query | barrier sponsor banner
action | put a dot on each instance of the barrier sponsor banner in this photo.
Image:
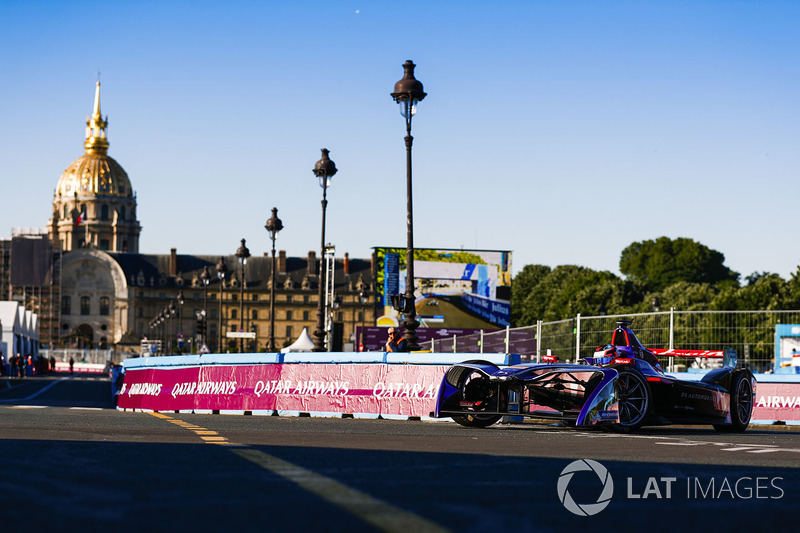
(408, 390)
(777, 401)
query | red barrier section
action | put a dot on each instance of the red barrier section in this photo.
(777, 401)
(379, 389)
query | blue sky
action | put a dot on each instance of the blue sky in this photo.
(560, 130)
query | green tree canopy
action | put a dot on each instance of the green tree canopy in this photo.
(659, 263)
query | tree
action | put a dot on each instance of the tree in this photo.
(663, 262)
(521, 286)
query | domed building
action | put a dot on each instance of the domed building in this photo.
(94, 203)
(98, 292)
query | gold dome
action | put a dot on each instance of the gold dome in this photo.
(95, 172)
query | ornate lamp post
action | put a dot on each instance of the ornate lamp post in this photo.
(180, 321)
(170, 312)
(222, 269)
(205, 279)
(242, 253)
(324, 170)
(408, 93)
(362, 298)
(274, 225)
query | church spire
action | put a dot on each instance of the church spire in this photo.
(96, 141)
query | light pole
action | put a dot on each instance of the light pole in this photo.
(273, 225)
(362, 298)
(408, 93)
(205, 279)
(180, 321)
(222, 268)
(324, 170)
(242, 253)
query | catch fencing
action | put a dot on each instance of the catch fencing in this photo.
(750, 333)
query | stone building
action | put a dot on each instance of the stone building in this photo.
(105, 294)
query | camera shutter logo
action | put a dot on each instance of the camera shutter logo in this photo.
(585, 509)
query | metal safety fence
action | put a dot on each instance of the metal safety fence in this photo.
(752, 334)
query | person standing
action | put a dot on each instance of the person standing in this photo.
(21, 365)
(395, 343)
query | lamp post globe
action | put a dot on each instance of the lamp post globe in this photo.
(242, 253)
(273, 226)
(324, 170)
(408, 92)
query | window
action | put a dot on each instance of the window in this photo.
(254, 314)
(104, 212)
(85, 308)
(288, 315)
(212, 313)
(305, 298)
(66, 305)
(104, 305)
(289, 298)
(255, 297)
(289, 333)
(339, 316)
(104, 244)
(305, 315)
(233, 313)
(122, 213)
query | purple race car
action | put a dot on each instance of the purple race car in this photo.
(622, 386)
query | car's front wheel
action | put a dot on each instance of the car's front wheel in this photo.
(633, 400)
(741, 405)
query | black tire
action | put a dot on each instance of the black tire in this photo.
(634, 401)
(474, 420)
(741, 405)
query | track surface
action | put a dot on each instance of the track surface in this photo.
(71, 462)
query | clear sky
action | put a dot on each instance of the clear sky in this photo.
(560, 130)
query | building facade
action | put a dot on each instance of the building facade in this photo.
(98, 291)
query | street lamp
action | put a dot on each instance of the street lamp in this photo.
(222, 268)
(324, 170)
(408, 93)
(273, 225)
(205, 279)
(180, 321)
(362, 298)
(242, 253)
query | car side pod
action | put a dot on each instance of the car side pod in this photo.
(601, 407)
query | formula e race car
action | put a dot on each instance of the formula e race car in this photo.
(622, 386)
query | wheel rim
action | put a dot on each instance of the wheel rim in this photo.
(632, 399)
(744, 400)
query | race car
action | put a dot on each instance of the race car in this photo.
(622, 386)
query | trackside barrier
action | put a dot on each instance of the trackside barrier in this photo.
(361, 385)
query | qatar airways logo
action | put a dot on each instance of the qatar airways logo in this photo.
(593, 478)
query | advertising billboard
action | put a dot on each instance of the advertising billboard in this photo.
(452, 288)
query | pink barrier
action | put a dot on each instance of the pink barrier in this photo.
(777, 401)
(379, 389)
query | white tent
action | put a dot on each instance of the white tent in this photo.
(302, 344)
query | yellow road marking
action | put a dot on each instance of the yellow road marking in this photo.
(379, 513)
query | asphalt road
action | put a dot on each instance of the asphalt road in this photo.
(70, 462)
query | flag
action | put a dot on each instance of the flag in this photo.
(81, 217)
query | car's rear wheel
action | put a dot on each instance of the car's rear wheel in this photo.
(476, 421)
(741, 405)
(475, 389)
(633, 400)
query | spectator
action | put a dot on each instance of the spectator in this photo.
(394, 343)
